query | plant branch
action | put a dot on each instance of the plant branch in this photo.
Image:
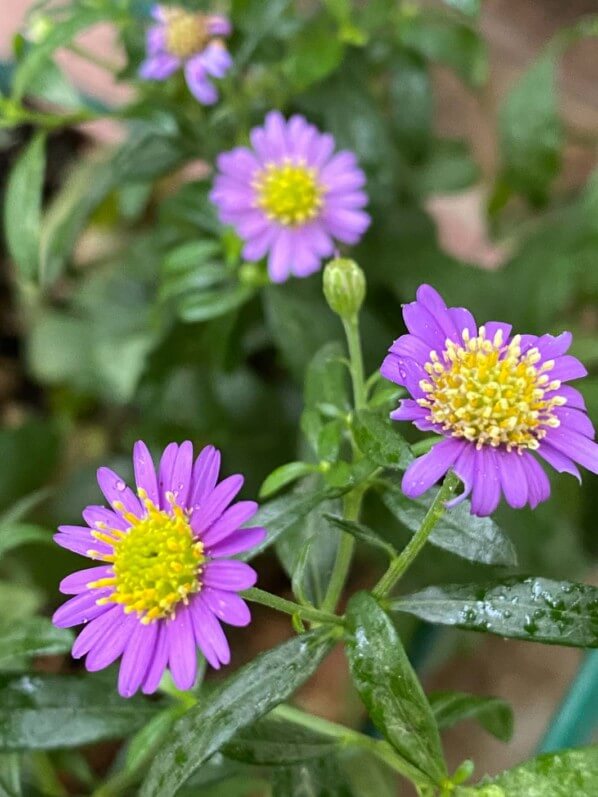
(289, 607)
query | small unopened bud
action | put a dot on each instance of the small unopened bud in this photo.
(344, 287)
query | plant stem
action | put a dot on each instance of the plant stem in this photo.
(351, 327)
(398, 567)
(93, 58)
(342, 563)
(378, 747)
(289, 607)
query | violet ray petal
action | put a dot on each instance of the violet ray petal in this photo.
(492, 327)
(551, 347)
(201, 618)
(180, 478)
(136, 658)
(463, 319)
(94, 631)
(79, 540)
(215, 504)
(159, 662)
(205, 475)
(485, 494)
(198, 82)
(572, 394)
(145, 472)
(513, 477)
(101, 518)
(404, 371)
(107, 650)
(77, 582)
(229, 521)
(117, 493)
(420, 322)
(576, 420)
(229, 575)
(464, 468)
(411, 346)
(81, 609)
(580, 448)
(566, 368)
(281, 256)
(558, 460)
(408, 410)
(159, 67)
(433, 302)
(537, 480)
(182, 653)
(425, 471)
(227, 606)
(238, 541)
(212, 631)
(167, 461)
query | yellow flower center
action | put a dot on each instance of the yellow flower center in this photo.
(490, 393)
(186, 33)
(289, 192)
(156, 562)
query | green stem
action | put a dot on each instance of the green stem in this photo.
(94, 58)
(398, 567)
(45, 776)
(344, 555)
(354, 343)
(377, 747)
(289, 607)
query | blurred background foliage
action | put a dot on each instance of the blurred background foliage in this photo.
(126, 311)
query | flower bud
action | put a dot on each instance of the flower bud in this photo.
(344, 287)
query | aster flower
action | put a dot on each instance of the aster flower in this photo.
(500, 401)
(190, 41)
(290, 196)
(166, 579)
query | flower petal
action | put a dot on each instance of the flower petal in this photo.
(182, 653)
(145, 472)
(136, 658)
(215, 504)
(77, 582)
(229, 521)
(485, 494)
(229, 575)
(425, 471)
(238, 541)
(209, 635)
(513, 477)
(159, 662)
(227, 606)
(117, 493)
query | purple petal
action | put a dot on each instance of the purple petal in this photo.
(412, 347)
(567, 368)
(492, 327)
(260, 245)
(101, 518)
(436, 306)
(215, 504)
(145, 473)
(205, 475)
(463, 320)
(165, 472)
(209, 635)
(464, 467)
(229, 522)
(159, 662)
(537, 480)
(95, 631)
(239, 163)
(159, 67)
(117, 493)
(572, 394)
(513, 477)
(574, 445)
(320, 150)
(558, 460)
(238, 541)
(107, 650)
(281, 256)
(425, 471)
(404, 371)
(155, 40)
(347, 226)
(485, 494)
(216, 59)
(182, 654)
(275, 130)
(77, 582)
(136, 658)
(576, 420)
(551, 347)
(80, 609)
(227, 606)
(219, 25)
(181, 473)
(229, 575)
(200, 86)
(408, 410)
(79, 540)
(420, 322)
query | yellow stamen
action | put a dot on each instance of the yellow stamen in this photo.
(156, 563)
(489, 393)
(289, 192)
(185, 33)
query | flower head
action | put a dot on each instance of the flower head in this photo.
(191, 41)
(166, 578)
(498, 399)
(290, 196)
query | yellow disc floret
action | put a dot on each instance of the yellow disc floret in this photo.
(289, 192)
(185, 33)
(490, 393)
(156, 562)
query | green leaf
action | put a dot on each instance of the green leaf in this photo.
(411, 103)
(380, 441)
(49, 712)
(313, 54)
(244, 697)
(458, 531)
(389, 687)
(326, 379)
(493, 714)
(61, 34)
(205, 305)
(193, 266)
(274, 741)
(23, 506)
(146, 742)
(363, 534)
(448, 42)
(22, 209)
(367, 776)
(16, 534)
(283, 476)
(569, 773)
(317, 778)
(531, 608)
(279, 515)
(449, 168)
(531, 132)
(35, 636)
(10, 775)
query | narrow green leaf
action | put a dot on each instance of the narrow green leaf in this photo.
(34, 636)
(49, 712)
(531, 131)
(470, 8)
(146, 742)
(389, 687)
(23, 506)
(321, 777)
(569, 773)
(208, 304)
(22, 208)
(10, 775)
(363, 534)
(313, 54)
(16, 534)
(246, 696)
(283, 476)
(493, 714)
(531, 608)
(326, 379)
(273, 741)
(380, 441)
(280, 514)
(368, 776)
(458, 531)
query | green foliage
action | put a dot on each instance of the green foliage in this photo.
(493, 714)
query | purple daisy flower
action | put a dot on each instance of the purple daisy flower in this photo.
(496, 398)
(166, 578)
(290, 196)
(191, 41)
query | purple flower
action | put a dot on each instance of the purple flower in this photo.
(166, 578)
(496, 398)
(188, 40)
(290, 196)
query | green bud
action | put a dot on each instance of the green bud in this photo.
(344, 287)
